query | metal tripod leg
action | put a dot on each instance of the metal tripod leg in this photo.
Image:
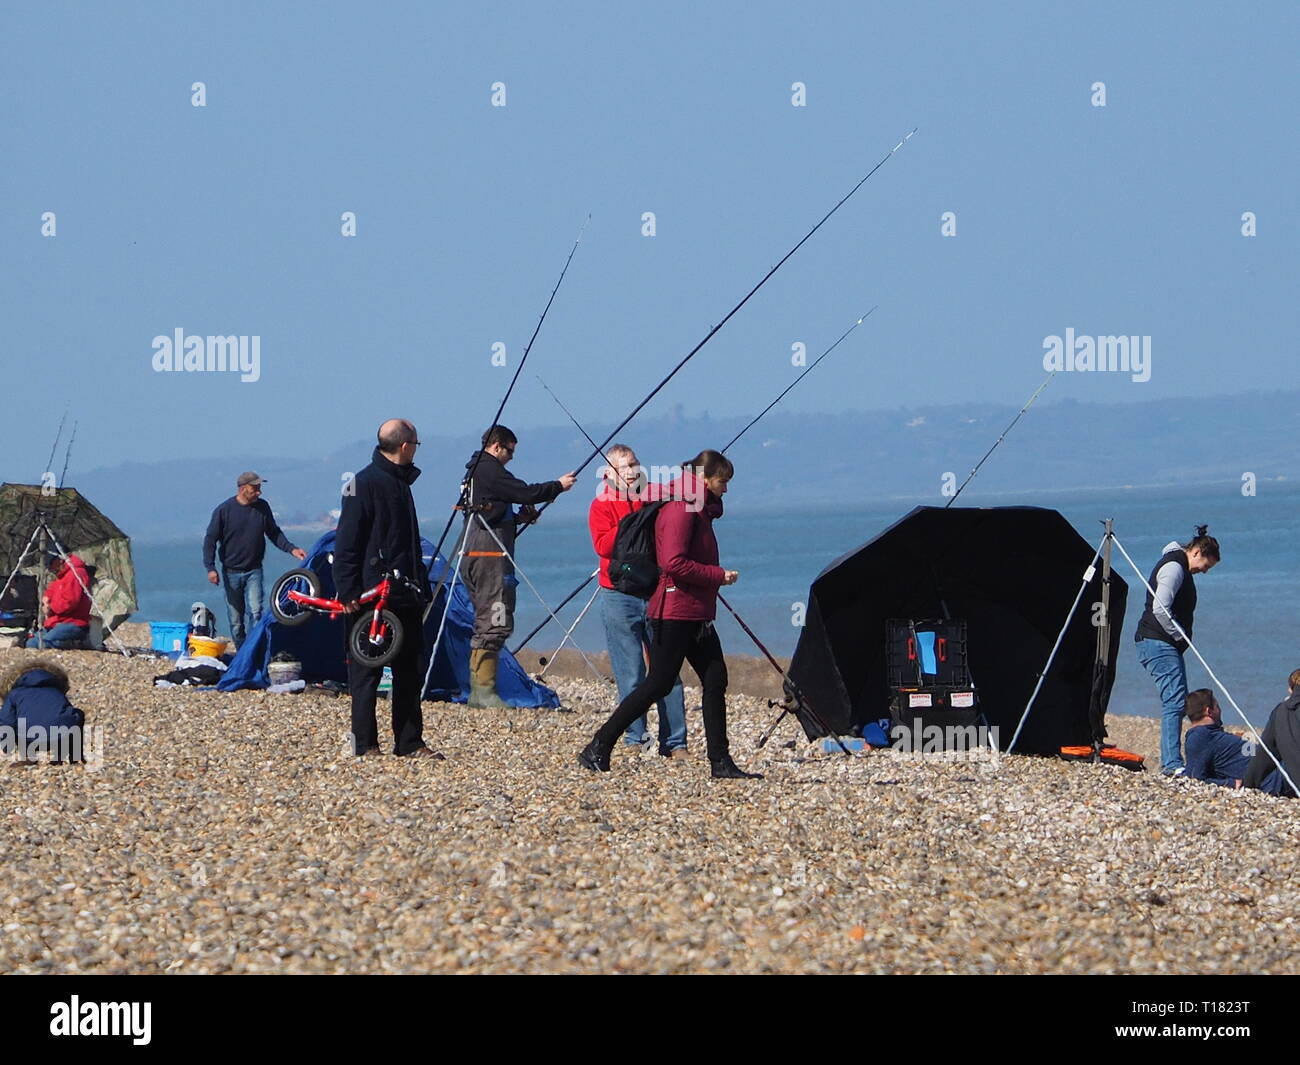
(576, 622)
(533, 589)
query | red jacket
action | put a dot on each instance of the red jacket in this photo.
(607, 510)
(687, 550)
(64, 596)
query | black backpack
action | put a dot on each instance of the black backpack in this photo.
(633, 566)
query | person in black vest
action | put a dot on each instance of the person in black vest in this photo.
(378, 532)
(1160, 644)
(489, 571)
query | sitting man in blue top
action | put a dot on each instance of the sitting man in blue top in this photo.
(1160, 647)
(242, 525)
(1213, 754)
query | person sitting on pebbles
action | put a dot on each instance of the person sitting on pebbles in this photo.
(1214, 755)
(1282, 737)
(37, 717)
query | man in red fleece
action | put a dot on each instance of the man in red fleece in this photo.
(67, 605)
(628, 632)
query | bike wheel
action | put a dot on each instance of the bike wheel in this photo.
(375, 655)
(302, 581)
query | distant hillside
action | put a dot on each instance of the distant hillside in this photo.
(785, 460)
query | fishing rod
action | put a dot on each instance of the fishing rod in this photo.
(545, 621)
(599, 450)
(1029, 403)
(793, 687)
(806, 372)
(478, 455)
(55, 446)
(570, 597)
(68, 454)
(762, 281)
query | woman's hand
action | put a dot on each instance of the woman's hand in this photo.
(730, 576)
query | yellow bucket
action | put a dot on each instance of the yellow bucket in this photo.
(201, 645)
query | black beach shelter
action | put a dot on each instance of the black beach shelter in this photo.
(1012, 573)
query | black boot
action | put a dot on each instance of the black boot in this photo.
(725, 769)
(595, 757)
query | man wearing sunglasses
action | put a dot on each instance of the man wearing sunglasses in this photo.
(378, 532)
(488, 570)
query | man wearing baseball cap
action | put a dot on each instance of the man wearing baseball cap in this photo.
(242, 525)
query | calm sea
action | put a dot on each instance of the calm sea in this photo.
(1247, 620)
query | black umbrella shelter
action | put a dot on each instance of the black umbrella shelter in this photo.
(1011, 573)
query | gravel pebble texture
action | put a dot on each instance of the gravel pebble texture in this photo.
(234, 833)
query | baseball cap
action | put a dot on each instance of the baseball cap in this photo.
(248, 477)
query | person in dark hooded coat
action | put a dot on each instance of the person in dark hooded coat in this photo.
(36, 716)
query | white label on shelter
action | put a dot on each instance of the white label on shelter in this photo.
(919, 699)
(963, 699)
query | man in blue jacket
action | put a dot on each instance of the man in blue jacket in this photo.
(242, 525)
(378, 532)
(1213, 754)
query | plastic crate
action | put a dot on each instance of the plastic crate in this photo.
(167, 635)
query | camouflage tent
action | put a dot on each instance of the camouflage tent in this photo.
(81, 530)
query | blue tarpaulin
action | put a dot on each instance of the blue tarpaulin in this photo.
(319, 644)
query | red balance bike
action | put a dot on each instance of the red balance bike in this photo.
(376, 635)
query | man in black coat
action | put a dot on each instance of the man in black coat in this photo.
(378, 532)
(489, 570)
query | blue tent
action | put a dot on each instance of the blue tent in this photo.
(319, 644)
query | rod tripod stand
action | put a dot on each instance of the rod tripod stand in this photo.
(474, 512)
(1101, 663)
(42, 537)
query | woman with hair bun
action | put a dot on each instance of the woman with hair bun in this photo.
(1160, 644)
(683, 607)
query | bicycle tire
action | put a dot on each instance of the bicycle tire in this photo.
(286, 611)
(368, 654)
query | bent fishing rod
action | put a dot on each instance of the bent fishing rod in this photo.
(568, 598)
(1028, 403)
(478, 455)
(731, 313)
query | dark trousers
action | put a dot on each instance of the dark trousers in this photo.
(673, 643)
(404, 699)
(492, 589)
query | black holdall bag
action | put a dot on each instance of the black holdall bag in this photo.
(633, 566)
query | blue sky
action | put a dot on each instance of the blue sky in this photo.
(225, 219)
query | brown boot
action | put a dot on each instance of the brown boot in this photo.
(483, 681)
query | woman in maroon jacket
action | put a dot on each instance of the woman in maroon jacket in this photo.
(683, 608)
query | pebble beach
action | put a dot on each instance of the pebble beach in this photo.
(234, 833)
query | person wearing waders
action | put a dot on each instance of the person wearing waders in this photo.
(491, 493)
(1160, 647)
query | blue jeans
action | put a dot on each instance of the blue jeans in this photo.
(627, 635)
(1275, 784)
(1165, 664)
(64, 634)
(243, 595)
